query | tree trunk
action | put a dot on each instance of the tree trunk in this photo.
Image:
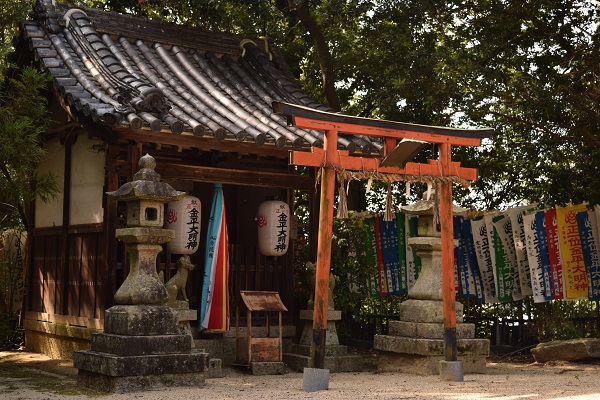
(300, 8)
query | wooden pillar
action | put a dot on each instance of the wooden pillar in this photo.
(447, 236)
(324, 251)
(109, 252)
(63, 251)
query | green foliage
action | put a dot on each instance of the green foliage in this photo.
(11, 13)
(23, 119)
(562, 320)
(11, 286)
(349, 265)
(522, 69)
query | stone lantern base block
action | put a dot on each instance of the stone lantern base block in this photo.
(425, 365)
(112, 373)
(140, 349)
(127, 384)
(415, 343)
(427, 330)
(141, 320)
(127, 345)
(423, 356)
(156, 364)
(415, 310)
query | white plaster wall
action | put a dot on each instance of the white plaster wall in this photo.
(51, 213)
(87, 181)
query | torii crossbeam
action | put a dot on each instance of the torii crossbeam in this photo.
(330, 159)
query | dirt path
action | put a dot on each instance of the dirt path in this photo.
(33, 376)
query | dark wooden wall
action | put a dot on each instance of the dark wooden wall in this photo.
(67, 282)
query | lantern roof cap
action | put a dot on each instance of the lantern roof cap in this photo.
(146, 185)
(427, 206)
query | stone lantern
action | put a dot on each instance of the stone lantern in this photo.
(141, 347)
(145, 197)
(415, 343)
(428, 245)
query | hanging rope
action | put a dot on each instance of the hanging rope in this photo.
(436, 206)
(389, 206)
(342, 211)
(389, 178)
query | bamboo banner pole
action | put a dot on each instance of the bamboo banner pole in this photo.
(317, 351)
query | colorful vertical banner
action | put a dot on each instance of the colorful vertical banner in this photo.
(383, 280)
(503, 227)
(489, 229)
(401, 235)
(483, 251)
(472, 260)
(594, 279)
(504, 267)
(556, 268)
(518, 229)
(389, 251)
(588, 233)
(462, 264)
(371, 256)
(540, 226)
(534, 257)
(576, 282)
(214, 305)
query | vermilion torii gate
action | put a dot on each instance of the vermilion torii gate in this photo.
(331, 159)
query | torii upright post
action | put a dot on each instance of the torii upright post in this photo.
(317, 350)
(447, 237)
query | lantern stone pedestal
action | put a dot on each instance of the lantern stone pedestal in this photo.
(337, 358)
(415, 343)
(141, 347)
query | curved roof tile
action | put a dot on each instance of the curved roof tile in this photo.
(122, 70)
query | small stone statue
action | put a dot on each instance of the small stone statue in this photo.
(312, 278)
(177, 283)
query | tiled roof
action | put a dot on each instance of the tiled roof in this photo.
(124, 71)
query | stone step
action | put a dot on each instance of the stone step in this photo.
(127, 345)
(429, 347)
(140, 320)
(267, 368)
(156, 364)
(428, 330)
(431, 311)
(330, 350)
(346, 363)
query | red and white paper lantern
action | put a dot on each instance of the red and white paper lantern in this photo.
(183, 216)
(274, 220)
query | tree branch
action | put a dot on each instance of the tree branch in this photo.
(322, 48)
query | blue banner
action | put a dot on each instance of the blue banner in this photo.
(472, 259)
(590, 252)
(389, 249)
(540, 226)
(461, 259)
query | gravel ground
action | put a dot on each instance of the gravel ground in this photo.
(33, 376)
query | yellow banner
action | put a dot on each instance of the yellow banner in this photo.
(576, 282)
